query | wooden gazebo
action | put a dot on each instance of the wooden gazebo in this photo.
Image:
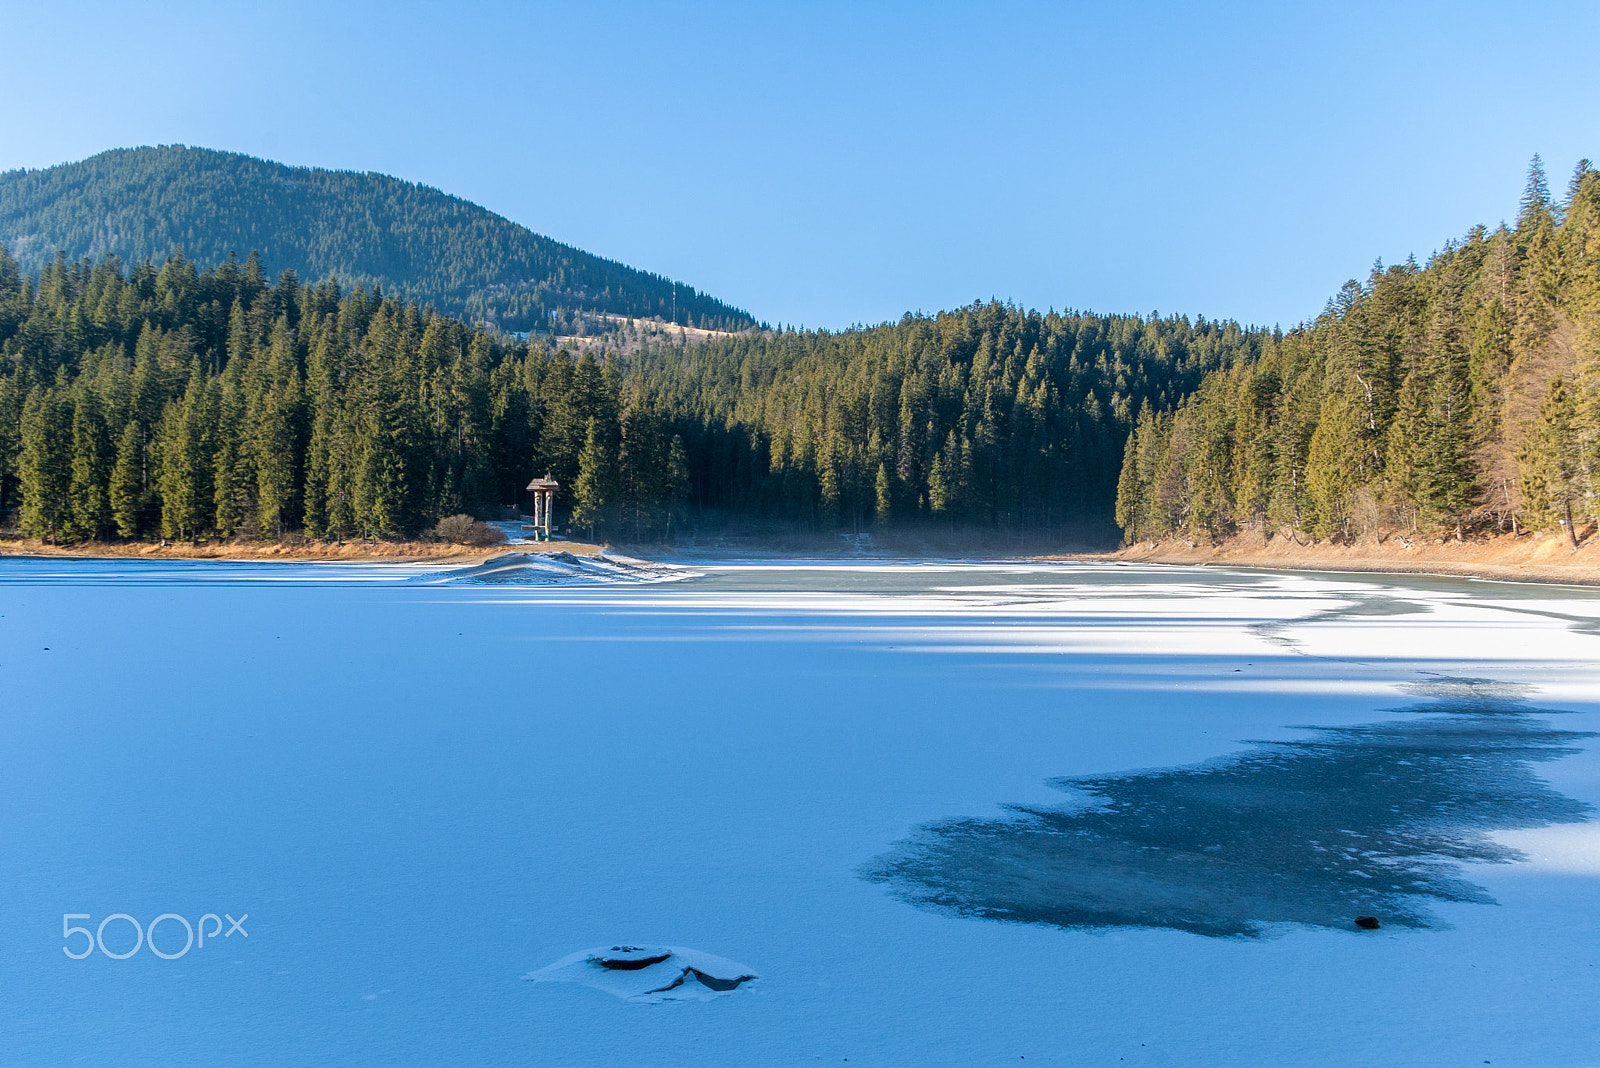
(544, 495)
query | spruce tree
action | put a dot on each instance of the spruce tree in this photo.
(186, 436)
(595, 488)
(92, 460)
(276, 439)
(882, 491)
(1408, 433)
(677, 481)
(233, 496)
(44, 466)
(127, 489)
(1449, 481)
(1547, 461)
(1334, 463)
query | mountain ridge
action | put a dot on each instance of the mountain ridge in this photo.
(361, 227)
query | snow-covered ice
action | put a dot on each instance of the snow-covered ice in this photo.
(555, 568)
(951, 814)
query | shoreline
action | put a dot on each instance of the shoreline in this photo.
(349, 552)
(1538, 557)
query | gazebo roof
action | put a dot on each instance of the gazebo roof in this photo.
(544, 483)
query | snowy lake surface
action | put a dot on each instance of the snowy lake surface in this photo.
(946, 814)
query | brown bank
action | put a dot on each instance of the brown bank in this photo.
(1528, 557)
(393, 552)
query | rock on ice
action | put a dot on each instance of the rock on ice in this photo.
(648, 973)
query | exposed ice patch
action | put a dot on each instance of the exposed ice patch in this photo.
(648, 973)
(556, 569)
(1279, 631)
(1369, 819)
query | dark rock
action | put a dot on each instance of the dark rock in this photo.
(629, 958)
(1367, 923)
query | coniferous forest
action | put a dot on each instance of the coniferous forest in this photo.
(1460, 396)
(986, 416)
(174, 402)
(181, 401)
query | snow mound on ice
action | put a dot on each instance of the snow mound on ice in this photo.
(648, 974)
(556, 569)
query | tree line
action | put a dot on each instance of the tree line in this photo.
(1460, 395)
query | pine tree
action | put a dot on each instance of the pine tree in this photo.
(677, 481)
(830, 486)
(946, 479)
(45, 465)
(1548, 461)
(187, 508)
(1407, 435)
(1130, 488)
(92, 459)
(127, 491)
(233, 496)
(277, 435)
(1535, 208)
(1334, 466)
(315, 517)
(641, 473)
(1449, 481)
(11, 400)
(597, 478)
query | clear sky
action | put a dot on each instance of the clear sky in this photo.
(828, 164)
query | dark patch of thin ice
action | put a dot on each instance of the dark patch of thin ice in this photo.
(1374, 819)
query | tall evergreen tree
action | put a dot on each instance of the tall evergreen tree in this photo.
(129, 487)
(89, 506)
(45, 466)
(596, 484)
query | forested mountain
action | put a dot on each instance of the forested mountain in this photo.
(412, 241)
(180, 403)
(1462, 395)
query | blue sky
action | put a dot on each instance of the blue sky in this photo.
(829, 164)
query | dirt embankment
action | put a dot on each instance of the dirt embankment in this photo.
(393, 552)
(1535, 557)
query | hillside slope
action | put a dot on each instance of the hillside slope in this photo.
(368, 229)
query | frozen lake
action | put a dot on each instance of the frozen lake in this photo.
(947, 814)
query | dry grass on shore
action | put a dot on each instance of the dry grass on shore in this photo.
(393, 552)
(1527, 557)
